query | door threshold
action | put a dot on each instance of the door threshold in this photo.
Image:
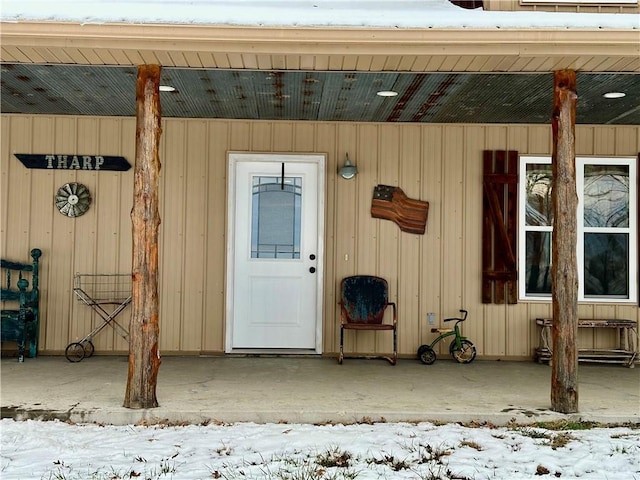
(273, 352)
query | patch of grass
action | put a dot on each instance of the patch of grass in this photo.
(393, 463)
(289, 468)
(560, 440)
(533, 433)
(333, 458)
(471, 444)
(568, 425)
(553, 440)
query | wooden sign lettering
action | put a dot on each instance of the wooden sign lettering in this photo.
(74, 162)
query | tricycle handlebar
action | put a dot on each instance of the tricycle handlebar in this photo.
(464, 317)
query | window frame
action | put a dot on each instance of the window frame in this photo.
(631, 230)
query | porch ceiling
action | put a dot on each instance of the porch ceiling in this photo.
(438, 97)
(320, 74)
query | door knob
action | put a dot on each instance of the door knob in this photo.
(312, 257)
(312, 269)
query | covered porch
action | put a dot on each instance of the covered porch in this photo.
(312, 390)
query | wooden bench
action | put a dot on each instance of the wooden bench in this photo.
(20, 324)
(626, 352)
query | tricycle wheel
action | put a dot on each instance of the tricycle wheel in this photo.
(463, 354)
(426, 354)
(74, 352)
(88, 348)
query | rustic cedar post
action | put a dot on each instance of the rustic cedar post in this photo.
(564, 270)
(144, 356)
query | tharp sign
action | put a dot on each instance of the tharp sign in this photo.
(74, 162)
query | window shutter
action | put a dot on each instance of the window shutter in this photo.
(500, 227)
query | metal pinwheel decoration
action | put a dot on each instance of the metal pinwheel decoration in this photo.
(73, 199)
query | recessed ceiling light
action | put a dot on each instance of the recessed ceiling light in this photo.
(167, 88)
(614, 95)
(387, 93)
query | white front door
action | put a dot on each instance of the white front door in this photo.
(274, 276)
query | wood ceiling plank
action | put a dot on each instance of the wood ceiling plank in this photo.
(627, 65)
(307, 62)
(106, 57)
(133, 56)
(350, 62)
(17, 54)
(321, 62)
(519, 65)
(179, 59)
(478, 63)
(7, 55)
(121, 57)
(235, 60)
(434, 63)
(278, 62)
(91, 56)
(193, 59)
(406, 63)
(250, 60)
(377, 63)
(149, 57)
(593, 64)
(449, 63)
(505, 63)
(535, 64)
(391, 63)
(164, 58)
(62, 54)
(265, 62)
(562, 63)
(336, 62)
(607, 64)
(222, 60)
(77, 56)
(420, 64)
(33, 54)
(462, 65)
(364, 63)
(490, 64)
(292, 62)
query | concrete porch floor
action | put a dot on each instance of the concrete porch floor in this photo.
(312, 390)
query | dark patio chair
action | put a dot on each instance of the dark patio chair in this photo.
(363, 302)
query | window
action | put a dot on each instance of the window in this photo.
(607, 244)
(276, 217)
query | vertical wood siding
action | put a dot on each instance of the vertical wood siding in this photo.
(438, 272)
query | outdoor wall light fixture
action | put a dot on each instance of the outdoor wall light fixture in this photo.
(348, 170)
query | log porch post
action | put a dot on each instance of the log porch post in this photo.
(144, 355)
(564, 270)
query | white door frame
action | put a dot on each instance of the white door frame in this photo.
(233, 159)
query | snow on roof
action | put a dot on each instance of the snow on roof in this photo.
(302, 13)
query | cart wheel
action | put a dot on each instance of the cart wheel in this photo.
(88, 348)
(465, 354)
(74, 352)
(426, 354)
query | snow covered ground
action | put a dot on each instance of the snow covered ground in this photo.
(55, 450)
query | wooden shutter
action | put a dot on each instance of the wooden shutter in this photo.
(500, 226)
